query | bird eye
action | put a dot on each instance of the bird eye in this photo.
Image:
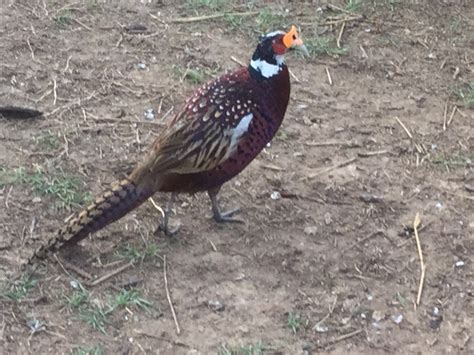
(294, 37)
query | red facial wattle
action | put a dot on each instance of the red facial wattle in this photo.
(279, 48)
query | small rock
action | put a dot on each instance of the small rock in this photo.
(275, 195)
(215, 305)
(244, 329)
(34, 324)
(459, 263)
(311, 230)
(377, 316)
(74, 284)
(439, 206)
(435, 318)
(321, 328)
(370, 297)
(431, 56)
(141, 66)
(370, 198)
(239, 277)
(327, 218)
(36, 199)
(149, 114)
(397, 318)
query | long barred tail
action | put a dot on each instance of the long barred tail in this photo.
(123, 197)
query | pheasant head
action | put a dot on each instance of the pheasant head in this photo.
(268, 58)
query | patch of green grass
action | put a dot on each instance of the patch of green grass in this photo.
(48, 141)
(466, 95)
(323, 46)
(194, 76)
(66, 189)
(20, 288)
(453, 161)
(79, 297)
(131, 253)
(127, 298)
(95, 312)
(295, 322)
(208, 4)
(253, 349)
(63, 18)
(268, 20)
(95, 315)
(88, 350)
(353, 5)
(455, 24)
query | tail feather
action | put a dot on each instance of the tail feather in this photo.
(123, 197)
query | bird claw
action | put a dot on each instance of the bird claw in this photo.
(166, 230)
(224, 217)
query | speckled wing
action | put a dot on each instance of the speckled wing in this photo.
(206, 132)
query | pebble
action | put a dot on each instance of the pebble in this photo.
(459, 263)
(36, 199)
(321, 328)
(275, 195)
(74, 284)
(215, 305)
(397, 318)
(378, 316)
(327, 218)
(149, 114)
(311, 230)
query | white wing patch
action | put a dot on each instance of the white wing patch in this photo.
(239, 131)
(266, 69)
(274, 33)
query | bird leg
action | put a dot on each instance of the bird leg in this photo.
(164, 227)
(219, 216)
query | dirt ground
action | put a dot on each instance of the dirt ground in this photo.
(328, 260)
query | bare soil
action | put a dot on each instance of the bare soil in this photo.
(327, 261)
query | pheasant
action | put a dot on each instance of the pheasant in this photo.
(222, 127)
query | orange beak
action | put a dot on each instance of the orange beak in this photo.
(291, 40)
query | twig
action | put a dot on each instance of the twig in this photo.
(404, 128)
(178, 330)
(272, 167)
(111, 274)
(329, 75)
(31, 49)
(212, 245)
(55, 94)
(345, 19)
(338, 42)
(371, 154)
(211, 17)
(62, 266)
(445, 115)
(157, 207)
(74, 268)
(82, 24)
(331, 168)
(67, 64)
(452, 115)
(337, 8)
(345, 336)
(331, 310)
(294, 76)
(237, 61)
(345, 144)
(416, 223)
